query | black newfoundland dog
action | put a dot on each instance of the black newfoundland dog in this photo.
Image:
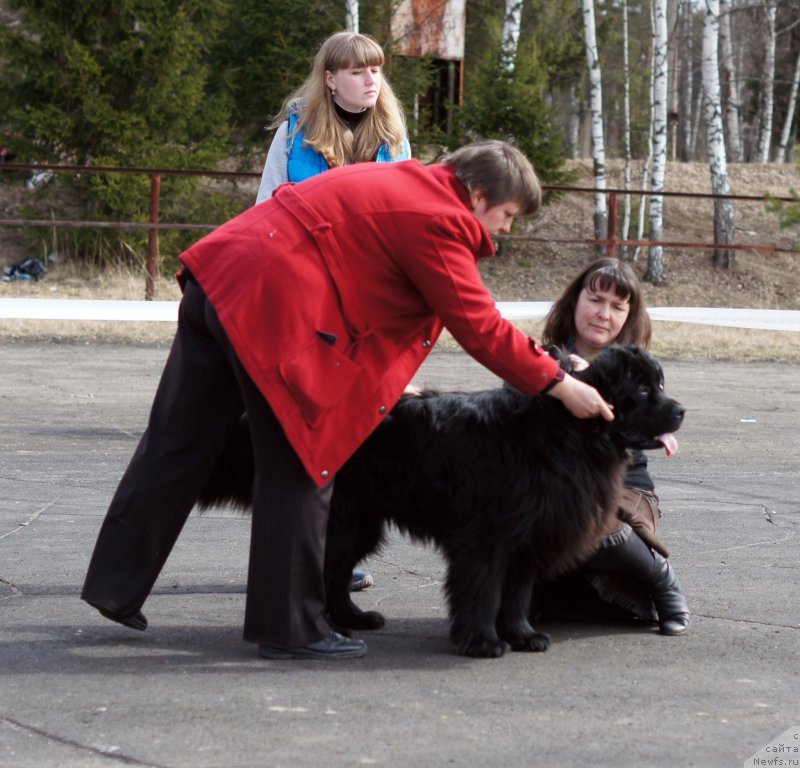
(511, 488)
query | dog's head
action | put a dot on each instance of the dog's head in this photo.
(632, 380)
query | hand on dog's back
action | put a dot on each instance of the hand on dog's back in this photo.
(581, 400)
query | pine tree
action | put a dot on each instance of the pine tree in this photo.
(115, 83)
(509, 103)
(264, 53)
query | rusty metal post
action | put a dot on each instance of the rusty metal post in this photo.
(152, 240)
(612, 225)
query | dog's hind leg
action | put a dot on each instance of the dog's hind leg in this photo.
(473, 592)
(512, 621)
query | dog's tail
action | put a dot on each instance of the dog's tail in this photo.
(230, 482)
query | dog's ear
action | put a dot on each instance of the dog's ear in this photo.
(563, 356)
(649, 361)
(604, 371)
(556, 352)
(657, 366)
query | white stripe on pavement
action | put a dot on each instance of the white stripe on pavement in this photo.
(167, 311)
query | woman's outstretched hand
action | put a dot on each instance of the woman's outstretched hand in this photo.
(580, 399)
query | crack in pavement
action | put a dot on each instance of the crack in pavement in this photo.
(746, 621)
(789, 535)
(15, 591)
(32, 518)
(18, 726)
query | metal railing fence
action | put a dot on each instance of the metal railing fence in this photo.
(611, 243)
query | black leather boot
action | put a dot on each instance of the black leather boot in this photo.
(667, 595)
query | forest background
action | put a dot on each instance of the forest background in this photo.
(193, 84)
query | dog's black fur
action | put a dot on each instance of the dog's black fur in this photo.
(511, 488)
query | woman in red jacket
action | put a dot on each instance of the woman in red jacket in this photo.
(311, 312)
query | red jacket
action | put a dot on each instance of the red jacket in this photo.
(335, 290)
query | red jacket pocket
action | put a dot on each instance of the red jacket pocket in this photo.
(318, 376)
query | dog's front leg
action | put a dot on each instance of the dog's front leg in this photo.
(473, 591)
(512, 621)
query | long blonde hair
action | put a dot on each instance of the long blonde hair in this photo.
(323, 130)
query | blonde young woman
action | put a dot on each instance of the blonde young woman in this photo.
(344, 113)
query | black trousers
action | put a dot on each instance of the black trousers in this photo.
(202, 393)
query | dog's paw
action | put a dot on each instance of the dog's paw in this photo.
(361, 620)
(535, 642)
(372, 620)
(343, 612)
(485, 649)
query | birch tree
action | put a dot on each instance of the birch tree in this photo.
(596, 106)
(626, 100)
(351, 15)
(655, 257)
(512, 23)
(723, 209)
(767, 81)
(648, 162)
(730, 82)
(783, 155)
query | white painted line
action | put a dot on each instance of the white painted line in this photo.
(167, 311)
(88, 309)
(762, 319)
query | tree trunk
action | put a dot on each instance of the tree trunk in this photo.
(646, 166)
(723, 209)
(673, 104)
(574, 125)
(351, 15)
(767, 81)
(598, 143)
(684, 148)
(698, 115)
(512, 24)
(730, 83)
(784, 156)
(626, 216)
(655, 257)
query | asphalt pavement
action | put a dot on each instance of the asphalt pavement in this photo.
(77, 691)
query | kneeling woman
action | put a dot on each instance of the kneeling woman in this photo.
(603, 305)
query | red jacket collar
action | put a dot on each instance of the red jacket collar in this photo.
(446, 176)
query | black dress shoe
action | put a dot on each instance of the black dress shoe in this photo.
(334, 646)
(360, 580)
(134, 621)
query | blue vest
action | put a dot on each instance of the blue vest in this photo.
(305, 162)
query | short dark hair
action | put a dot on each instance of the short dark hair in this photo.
(605, 275)
(500, 170)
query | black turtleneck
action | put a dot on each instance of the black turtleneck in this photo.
(351, 119)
